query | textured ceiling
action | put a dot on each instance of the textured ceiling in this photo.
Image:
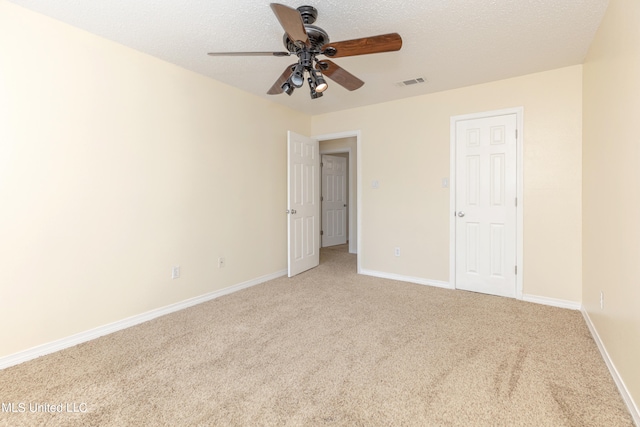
(450, 43)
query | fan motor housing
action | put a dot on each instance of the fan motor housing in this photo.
(317, 38)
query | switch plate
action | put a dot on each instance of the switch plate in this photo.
(397, 252)
(175, 272)
(445, 182)
(375, 184)
(221, 262)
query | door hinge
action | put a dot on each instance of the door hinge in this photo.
(516, 201)
(321, 164)
(322, 198)
(321, 233)
(516, 133)
(516, 270)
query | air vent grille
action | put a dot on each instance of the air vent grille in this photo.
(411, 82)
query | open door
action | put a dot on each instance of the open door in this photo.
(303, 200)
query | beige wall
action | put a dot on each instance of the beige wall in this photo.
(115, 166)
(405, 146)
(611, 205)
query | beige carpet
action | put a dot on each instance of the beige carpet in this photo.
(329, 347)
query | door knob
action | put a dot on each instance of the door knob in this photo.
(293, 211)
(460, 214)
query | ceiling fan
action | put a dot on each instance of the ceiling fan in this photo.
(307, 41)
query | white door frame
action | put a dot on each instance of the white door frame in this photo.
(518, 111)
(355, 233)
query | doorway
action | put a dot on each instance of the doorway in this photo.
(303, 199)
(346, 145)
(486, 202)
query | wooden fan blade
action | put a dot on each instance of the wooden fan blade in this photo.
(376, 44)
(291, 21)
(249, 53)
(339, 75)
(276, 89)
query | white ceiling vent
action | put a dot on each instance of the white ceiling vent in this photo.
(411, 82)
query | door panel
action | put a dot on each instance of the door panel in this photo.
(303, 203)
(472, 247)
(486, 155)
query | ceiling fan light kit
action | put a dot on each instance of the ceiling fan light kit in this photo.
(318, 80)
(308, 41)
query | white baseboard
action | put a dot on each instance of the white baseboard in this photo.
(572, 305)
(61, 344)
(622, 388)
(401, 278)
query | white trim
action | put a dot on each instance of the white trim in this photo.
(519, 112)
(572, 305)
(61, 344)
(401, 278)
(357, 135)
(622, 388)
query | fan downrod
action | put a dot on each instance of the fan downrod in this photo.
(309, 14)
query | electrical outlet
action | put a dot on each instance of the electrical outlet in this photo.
(175, 272)
(221, 262)
(397, 251)
(601, 300)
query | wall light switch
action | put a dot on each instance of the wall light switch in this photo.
(375, 184)
(175, 272)
(445, 182)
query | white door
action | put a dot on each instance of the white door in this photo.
(334, 200)
(486, 159)
(303, 211)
